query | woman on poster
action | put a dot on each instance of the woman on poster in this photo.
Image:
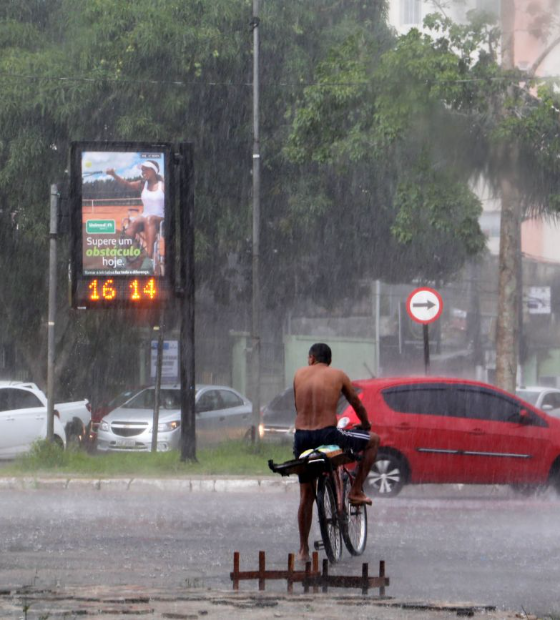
(152, 194)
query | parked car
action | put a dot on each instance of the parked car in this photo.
(98, 413)
(442, 430)
(545, 398)
(279, 416)
(221, 413)
(23, 419)
(75, 416)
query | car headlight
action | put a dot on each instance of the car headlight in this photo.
(168, 426)
(343, 422)
(104, 426)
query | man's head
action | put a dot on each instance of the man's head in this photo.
(320, 353)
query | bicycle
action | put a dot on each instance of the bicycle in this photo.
(339, 520)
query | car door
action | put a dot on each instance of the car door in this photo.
(209, 417)
(236, 414)
(22, 421)
(423, 425)
(501, 445)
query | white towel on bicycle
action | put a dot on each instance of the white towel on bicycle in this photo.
(328, 450)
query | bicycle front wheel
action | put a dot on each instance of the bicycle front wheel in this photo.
(328, 519)
(354, 524)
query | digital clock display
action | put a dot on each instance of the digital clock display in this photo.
(105, 292)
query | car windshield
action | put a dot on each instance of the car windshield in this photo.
(170, 399)
(343, 403)
(529, 395)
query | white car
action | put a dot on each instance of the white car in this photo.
(221, 413)
(23, 420)
(545, 398)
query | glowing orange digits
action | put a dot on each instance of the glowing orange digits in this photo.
(150, 289)
(108, 291)
(93, 286)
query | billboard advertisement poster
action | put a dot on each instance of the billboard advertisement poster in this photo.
(123, 209)
(170, 361)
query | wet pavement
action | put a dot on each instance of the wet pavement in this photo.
(112, 603)
(162, 548)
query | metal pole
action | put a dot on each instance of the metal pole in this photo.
(157, 389)
(255, 336)
(426, 348)
(187, 345)
(377, 325)
(52, 312)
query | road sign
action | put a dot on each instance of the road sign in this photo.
(424, 305)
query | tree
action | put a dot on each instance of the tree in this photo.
(442, 103)
(165, 70)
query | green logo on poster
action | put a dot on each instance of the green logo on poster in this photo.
(101, 227)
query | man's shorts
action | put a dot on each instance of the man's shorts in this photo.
(355, 440)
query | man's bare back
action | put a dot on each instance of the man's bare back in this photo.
(317, 390)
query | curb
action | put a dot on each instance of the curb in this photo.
(182, 485)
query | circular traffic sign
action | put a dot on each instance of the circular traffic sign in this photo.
(424, 305)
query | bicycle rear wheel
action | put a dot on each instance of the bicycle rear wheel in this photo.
(354, 524)
(328, 519)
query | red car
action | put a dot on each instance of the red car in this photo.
(442, 430)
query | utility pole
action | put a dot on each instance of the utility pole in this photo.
(52, 311)
(255, 330)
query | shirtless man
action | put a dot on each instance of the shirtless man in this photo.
(317, 388)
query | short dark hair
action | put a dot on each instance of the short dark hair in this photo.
(321, 352)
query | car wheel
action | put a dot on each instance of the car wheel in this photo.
(58, 442)
(554, 477)
(387, 476)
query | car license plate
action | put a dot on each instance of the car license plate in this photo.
(125, 443)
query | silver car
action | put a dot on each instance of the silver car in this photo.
(221, 413)
(545, 398)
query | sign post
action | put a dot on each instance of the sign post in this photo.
(424, 305)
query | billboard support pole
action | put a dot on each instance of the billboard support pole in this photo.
(187, 301)
(157, 388)
(52, 311)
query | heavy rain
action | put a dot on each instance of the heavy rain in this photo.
(192, 194)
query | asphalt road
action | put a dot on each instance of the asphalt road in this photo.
(483, 545)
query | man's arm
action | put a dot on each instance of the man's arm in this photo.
(351, 396)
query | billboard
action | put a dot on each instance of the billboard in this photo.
(122, 221)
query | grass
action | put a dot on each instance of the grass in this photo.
(231, 458)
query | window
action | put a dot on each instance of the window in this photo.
(411, 12)
(22, 399)
(552, 400)
(170, 399)
(4, 403)
(420, 399)
(144, 400)
(482, 404)
(209, 401)
(12, 399)
(230, 399)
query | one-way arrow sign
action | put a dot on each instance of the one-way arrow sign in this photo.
(424, 305)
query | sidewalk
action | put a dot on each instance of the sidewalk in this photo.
(133, 602)
(264, 484)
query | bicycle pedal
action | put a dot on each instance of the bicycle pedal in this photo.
(319, 544)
